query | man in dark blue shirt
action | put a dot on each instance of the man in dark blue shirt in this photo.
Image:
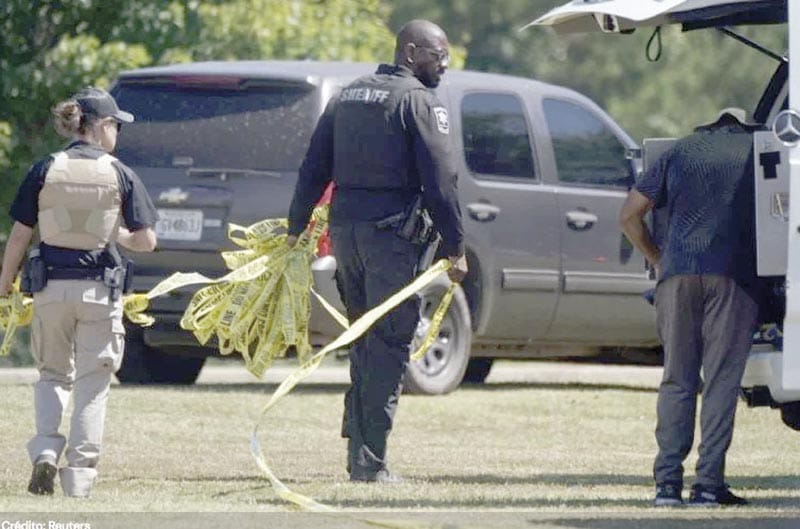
(383, 142)
(705, 298)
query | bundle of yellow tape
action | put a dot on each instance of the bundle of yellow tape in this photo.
(16, 310)
(259, 309)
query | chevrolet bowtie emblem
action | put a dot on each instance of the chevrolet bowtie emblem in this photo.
(173, 196)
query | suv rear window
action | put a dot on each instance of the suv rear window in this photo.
(265, 127)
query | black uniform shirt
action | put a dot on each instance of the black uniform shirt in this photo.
(430, 158)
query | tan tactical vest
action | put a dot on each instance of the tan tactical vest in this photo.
(79, 204)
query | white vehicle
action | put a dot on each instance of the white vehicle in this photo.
(772, 376)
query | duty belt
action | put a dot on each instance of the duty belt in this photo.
(94, 274)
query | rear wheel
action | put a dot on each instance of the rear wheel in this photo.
(442, 368)
(143, 364)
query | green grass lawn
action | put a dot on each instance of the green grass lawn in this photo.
(556, 449)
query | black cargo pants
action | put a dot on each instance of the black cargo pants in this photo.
(372, 264)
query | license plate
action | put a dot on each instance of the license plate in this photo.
(180, 224)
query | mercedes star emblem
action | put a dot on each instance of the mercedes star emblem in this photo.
(787, 127)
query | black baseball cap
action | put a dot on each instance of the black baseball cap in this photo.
(97, 102)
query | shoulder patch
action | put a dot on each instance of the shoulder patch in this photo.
(442, 121)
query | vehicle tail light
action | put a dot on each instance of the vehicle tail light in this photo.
(210, 81)
(324, 246)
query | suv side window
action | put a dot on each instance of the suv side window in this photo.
(587, 152)
(496, 137)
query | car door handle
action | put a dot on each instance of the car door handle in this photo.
(581, 220)
(483, 212)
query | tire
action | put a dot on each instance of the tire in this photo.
(442, 368)
(477, 370)
(790, 415)
(142, 364)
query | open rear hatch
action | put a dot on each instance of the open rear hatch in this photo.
(624, 16)
(779, 372)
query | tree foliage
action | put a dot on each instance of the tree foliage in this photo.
(344, 30)
(698, 73)
(48, 50)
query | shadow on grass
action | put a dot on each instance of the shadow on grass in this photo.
(728, 522)
(558, 386)
(590, 480)
(254, 387)
(337, 387)
(766, 482)
(247, 484)
(387, 498)
(569, 480)
(771, 503)
(774, 501)
(416, 504)
(784, 482)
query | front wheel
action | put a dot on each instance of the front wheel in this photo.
(442, 368)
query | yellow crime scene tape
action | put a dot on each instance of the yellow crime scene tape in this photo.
(353, 332)
(16, 310)
(260, 309)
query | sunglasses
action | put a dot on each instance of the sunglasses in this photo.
(441, 56)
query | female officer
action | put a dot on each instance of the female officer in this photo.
(80, 199)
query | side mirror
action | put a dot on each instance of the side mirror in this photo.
(634, 157)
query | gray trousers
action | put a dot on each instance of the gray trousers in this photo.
(77, 340)
(703, 322)
(372, 265)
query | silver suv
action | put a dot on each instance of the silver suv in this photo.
(543, 173)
